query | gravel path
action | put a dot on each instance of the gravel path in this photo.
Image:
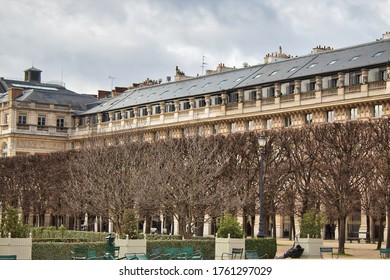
(353, 250)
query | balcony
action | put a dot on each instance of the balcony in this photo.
(252, 108)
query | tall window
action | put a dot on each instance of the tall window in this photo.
(332, 83)
(308, 118)
(41, 120)
(353, 113)
(215, 129)
(169, 107)
(268, 123)
(200, 131)
(60, 122)
(251, 125)
(232, 127)
(184, 132)
(330, 116)
(22, 119)
(6, 117)
(4, 150)
(378, 110)
(287, 121)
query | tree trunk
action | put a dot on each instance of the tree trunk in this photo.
(148, 221)
(380, 233)
(292, 228)
(199, 227)
(342, 222)
(368, 229)
(273, 226)
(388, 228)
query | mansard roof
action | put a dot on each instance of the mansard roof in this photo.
(299, 68)
(47, 93)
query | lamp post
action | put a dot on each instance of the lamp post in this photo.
(262, 141)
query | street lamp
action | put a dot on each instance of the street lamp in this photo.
(262, 141)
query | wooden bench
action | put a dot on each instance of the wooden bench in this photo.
(327, 250)
(7, 257)
(384, 252)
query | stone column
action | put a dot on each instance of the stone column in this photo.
(341, 83)
(240, 96)
(278, 225)
(259, 92)
(318, 83)
(149, 109)
(297, 86)
(364, 76)
(96, 224)
(175, 226)
(207, 226)
(111, 116)
(278, 92)
(363, 224)
(207, 100)
(99, 118)
(341, 80)
(162, 107)
(192, 103)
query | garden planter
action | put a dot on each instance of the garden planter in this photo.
(21, 247)
(130, 246)
(225, 245)
(311, 246)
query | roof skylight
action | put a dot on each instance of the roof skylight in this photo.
(239, 79)
(191, 88)
(179, 89)
(273, 73)
(206, 85)
(333, 62)
(257, 76)
(222, 82)
(312, 65)
(355, 57)
(378, 54)
(292, 69)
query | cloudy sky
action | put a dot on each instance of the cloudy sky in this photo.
(85, 42)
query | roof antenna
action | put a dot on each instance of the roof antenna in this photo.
(203, 63)
(112, 81)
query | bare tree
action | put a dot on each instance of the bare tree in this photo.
(341, 169)
(380, 130)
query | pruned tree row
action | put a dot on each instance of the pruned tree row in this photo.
(339, 169)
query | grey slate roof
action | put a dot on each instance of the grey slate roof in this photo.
(49, 93)
(355, 57)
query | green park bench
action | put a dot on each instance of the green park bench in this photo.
(7, 257)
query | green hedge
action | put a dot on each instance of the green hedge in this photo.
(207, 247)
(262, 246)
(62, 250)
(53, 233)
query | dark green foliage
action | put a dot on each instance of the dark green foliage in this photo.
(163, 237)
(130, 224)
(47, 234)
(12, 224)
(62, 251)
(207, 247)
(312, 223)
(229, 225)
(262, 246)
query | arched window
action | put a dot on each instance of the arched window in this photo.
(4, 149)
